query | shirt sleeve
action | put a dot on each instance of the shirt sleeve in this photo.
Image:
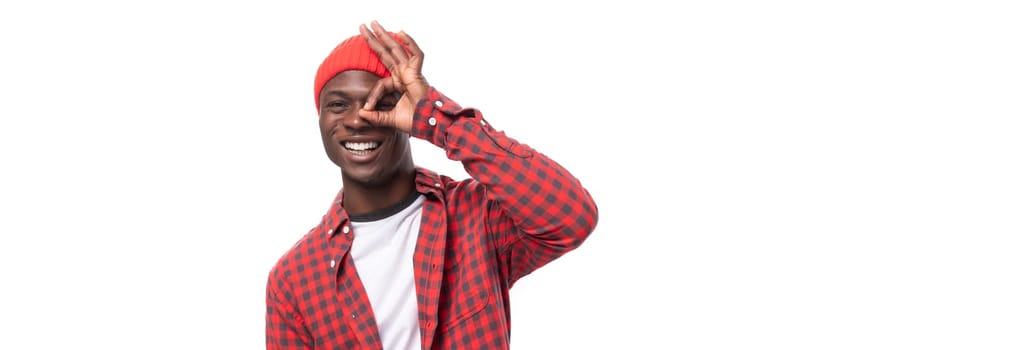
(284, 327)
(536, 210)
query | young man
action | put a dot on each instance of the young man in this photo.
(405, 258)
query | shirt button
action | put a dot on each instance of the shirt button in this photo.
(345, 229)
(353, 315)
(432, 121)
(332, 264)
(438, 103)
(438, 184)
(330, 232)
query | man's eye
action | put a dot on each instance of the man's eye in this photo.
(385, 105)
(337, 104)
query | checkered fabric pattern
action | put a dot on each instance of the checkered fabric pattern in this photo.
(478, 236)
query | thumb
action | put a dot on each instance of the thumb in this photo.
(377, 117)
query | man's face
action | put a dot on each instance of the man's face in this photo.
(367, 155)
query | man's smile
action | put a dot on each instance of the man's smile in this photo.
(361, 147)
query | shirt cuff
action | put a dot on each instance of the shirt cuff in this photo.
(433, 115)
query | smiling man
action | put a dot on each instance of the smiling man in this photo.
(405, 258)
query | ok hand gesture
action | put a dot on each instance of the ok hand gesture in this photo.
(403, 59)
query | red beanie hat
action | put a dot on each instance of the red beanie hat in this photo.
(351, 54)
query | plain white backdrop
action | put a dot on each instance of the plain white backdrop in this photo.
(770, 175)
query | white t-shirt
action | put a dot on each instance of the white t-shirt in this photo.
(383, 254)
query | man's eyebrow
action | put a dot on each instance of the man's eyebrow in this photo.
(343, 94)
(338, 93)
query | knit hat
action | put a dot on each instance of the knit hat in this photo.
(351, 54)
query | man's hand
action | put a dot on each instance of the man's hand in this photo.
(403, 59)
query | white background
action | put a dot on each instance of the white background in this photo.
(770, 175)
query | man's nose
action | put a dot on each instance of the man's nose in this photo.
(353, 121)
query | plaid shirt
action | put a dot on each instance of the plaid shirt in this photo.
(517, 212)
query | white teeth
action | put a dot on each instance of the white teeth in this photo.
(361, 146)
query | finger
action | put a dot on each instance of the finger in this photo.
(385, 86)
(368, 112)
(378, 48)
(411, 45)
(378, 118)
(415, 50)
(398, 53)
(375, 95)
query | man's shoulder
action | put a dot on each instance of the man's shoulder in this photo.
(427, 178)
(296, 256)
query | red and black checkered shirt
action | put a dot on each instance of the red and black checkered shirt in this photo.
(517, 212)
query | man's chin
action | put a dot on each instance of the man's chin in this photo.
(372, 178)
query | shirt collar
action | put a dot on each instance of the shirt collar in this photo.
(429, 183)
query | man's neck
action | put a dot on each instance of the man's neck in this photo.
(361, 199)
